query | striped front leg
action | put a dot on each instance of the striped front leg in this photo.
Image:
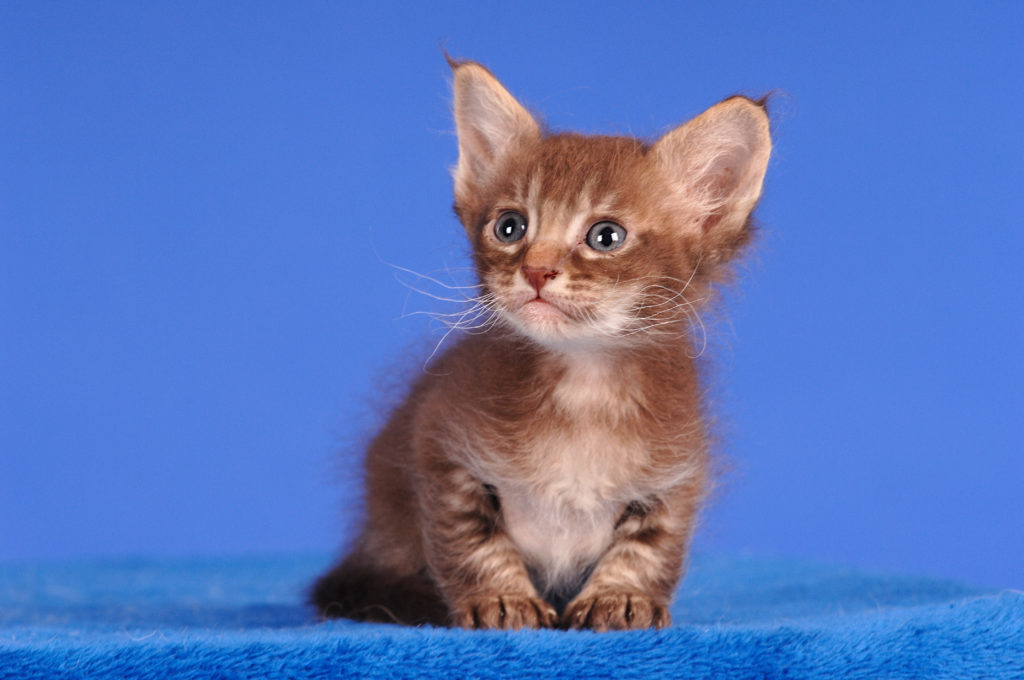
(633, 582)
(477, 567)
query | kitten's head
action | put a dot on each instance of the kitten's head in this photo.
(584, 240)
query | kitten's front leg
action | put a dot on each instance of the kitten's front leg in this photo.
(633, 582)
(477, 567)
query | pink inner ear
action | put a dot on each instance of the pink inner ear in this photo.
(720, 183)
(722, 179)
(711, 221)
(717, 181)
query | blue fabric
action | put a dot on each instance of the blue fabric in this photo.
(734, 617)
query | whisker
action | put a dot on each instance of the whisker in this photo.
(427, 277)
(432, 295)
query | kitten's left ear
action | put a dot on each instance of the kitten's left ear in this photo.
(490, 123)
(716, 164)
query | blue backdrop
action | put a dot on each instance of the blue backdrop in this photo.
(199, 202)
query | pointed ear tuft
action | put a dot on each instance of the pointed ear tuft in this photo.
(716, 164)
(452, 61)
(489, 122)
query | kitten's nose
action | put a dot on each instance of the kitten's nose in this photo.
(540, 264)
(538, 276)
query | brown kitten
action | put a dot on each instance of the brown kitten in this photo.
(548, 471)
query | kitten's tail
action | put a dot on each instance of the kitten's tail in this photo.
(355, 590)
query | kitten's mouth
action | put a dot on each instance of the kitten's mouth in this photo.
(540, 309)
(545, 318)
(554, 320)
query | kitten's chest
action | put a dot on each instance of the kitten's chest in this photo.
(576, 471)
(563, 516)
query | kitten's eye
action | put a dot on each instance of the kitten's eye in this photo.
(605, 236)
(510, 227)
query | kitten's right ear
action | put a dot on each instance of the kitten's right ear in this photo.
(489, 122)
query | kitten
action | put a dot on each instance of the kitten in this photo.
(547, 472)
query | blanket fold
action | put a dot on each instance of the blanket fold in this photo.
(739, 617)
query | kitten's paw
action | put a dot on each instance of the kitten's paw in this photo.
(504, 612)
(612, 610)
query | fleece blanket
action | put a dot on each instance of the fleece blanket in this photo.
(734, 617)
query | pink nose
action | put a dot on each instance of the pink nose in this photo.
(538, 276)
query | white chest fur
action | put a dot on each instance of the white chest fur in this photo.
(563, 514)
(561, 527)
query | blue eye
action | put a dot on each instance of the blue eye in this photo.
(605, 236)
(510, 227)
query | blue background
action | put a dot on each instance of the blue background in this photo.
(199, 202)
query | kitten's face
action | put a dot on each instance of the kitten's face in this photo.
(589, 240)
(574, 250)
